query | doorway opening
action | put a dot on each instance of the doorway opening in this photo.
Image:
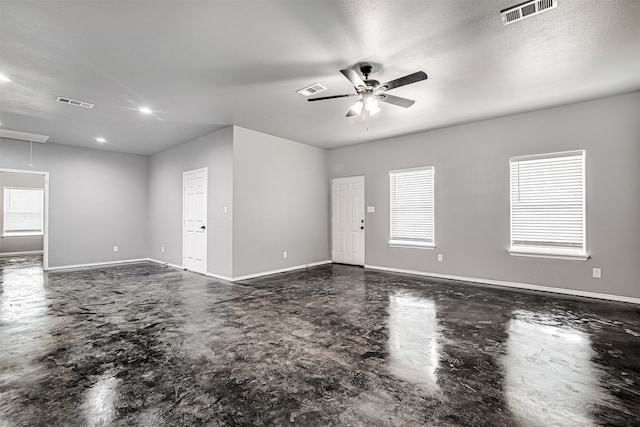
(24, 209)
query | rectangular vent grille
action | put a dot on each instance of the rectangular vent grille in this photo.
(74, 102)
(311, 90)
(525, 10)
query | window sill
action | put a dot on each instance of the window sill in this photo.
(26, 234)
(552, 255)
(411, 245)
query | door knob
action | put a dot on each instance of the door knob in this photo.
(362, 227)
(202, 227)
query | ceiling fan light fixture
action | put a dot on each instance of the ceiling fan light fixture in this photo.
(371, 105)
(357, 107)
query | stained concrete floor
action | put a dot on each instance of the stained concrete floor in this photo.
(142, 344)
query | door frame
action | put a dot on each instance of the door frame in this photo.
(45, 228)
(364, 210)
(184, 221)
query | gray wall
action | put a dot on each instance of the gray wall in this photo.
(97, 199)
(472, 194)
(281, 203)
(13, 244)
(214, 151)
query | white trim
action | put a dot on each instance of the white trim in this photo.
(410, 245)
(23, 234)
(20, 253)
(547, 155)
(23, 171)
(219, 276)
(166, 264)
(96, 264)
(247, 276)
(418, 168)
(528, 286)
(281, 270)
(575, 257)
(179, 267)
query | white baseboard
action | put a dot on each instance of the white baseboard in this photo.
(219, 276)
(527, 286)
(21, 253)
(95, 264)
(179, 267)
(168, 264)
(247, 276)
(281, 270)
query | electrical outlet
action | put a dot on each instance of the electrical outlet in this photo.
(439, 257)
(225, 209)
(597, 273)
(115, 249)
(162, 249)
(284, 254)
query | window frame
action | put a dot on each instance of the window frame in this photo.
(29, 233)
(398, 243)
(546, 251)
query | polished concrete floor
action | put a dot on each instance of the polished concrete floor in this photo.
(142, 344)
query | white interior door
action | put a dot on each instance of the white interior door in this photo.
(195, 220)
(347, 222)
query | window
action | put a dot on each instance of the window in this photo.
(548, 205)
(412, 207)
(23, 211)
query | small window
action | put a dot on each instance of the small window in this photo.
(23, 211)
(412, 207)
(548, 205)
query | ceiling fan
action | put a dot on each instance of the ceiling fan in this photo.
(372, 91)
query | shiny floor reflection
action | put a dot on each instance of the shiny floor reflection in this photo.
(142, 344)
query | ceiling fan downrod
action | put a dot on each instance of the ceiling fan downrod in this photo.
(366, 70)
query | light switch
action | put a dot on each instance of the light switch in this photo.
(371, 209)
(597, 273)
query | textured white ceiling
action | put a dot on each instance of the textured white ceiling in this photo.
(203, 65)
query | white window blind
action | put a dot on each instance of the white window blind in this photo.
(23, 211)
(548, 204)
(412, 206)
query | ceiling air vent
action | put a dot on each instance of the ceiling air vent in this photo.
(311, 90)
(23, 136)
(74, 102)
(526, 10)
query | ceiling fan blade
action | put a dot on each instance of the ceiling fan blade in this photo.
(353, 77)
(396, 100)
(350, 113)
(406, 80)
(322, 98)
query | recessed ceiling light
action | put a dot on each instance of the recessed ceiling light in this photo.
(145, 110)
(101, 139)
(4, 78)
